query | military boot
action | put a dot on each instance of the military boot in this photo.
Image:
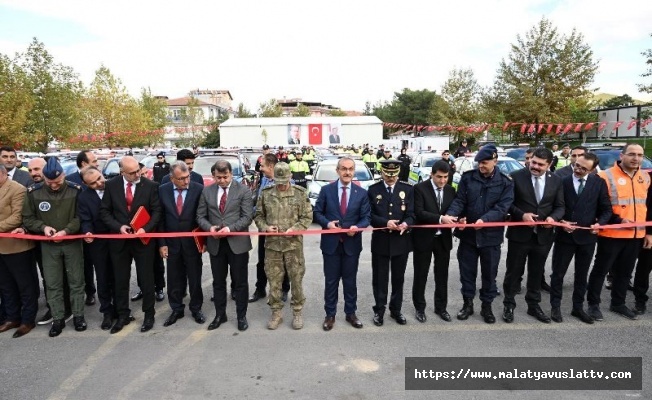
(467, 309)
(297, 322)
(275, 320)
(487, 313)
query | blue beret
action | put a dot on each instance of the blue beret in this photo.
(52, 169)
(487, 152)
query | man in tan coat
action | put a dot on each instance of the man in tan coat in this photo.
(19, 288)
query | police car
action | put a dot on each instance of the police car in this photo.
(422, 166)
(325, 173)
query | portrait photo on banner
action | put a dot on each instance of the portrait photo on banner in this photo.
(294, 134)
(335, 133)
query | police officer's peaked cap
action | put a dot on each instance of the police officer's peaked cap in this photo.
(282, 173)
(52, 169)
(565, 145)
(390, 167)
(487, 152)
(160, 154)
(265, 147)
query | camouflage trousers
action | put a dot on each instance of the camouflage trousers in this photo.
(277, 264)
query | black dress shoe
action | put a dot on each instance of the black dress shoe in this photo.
(284, 297)
(487, 314)
(219, 320)
(242, 324)
(79, 323)
(508, 314)
(148, 323)
(160, 296)
(420, 316)
(199, 317)
(555, 314)
(57, 327)
(173, 318)
(538, 313)
(639, 308)
(582, 316)
(137, 296)
(545, 287)
(354, 321)
(378, 319)
(443, 314)
(90, 300)
(120, 323)
(398, 317)
(328, 323)
(467, 310)
(257, 295)
(624, 311)
(107, 321)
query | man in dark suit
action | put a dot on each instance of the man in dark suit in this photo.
(392, 207)
(431, 201)
(538, 196)
(188, 157)
(227, 207)
(342, 205)
(123, 196)
(9, 159)
(569, 169)
(84, 159)
(179, 200)
(88, 210)
(587, 203)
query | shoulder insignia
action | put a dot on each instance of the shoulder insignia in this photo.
(35, 186)
(74, 185)
(506, 175)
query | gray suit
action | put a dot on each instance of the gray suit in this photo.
(230, 253)
(237, 216)
(22, 177)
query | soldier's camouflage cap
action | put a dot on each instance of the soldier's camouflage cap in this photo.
(282, 173)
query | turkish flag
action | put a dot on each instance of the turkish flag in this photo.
(314, 135)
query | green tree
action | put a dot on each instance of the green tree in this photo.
(270, 109)
(368, 110)
(56, 92)
(243, 112)
(16, 101)
(543, 72)
(155, 109)
(336, 112)
(618, 101)
(302, 110)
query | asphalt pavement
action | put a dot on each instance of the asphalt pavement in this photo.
(186, 361)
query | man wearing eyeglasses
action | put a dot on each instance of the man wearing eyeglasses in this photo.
(123, 196)
(160, 168)
(568, 170)
(586, 199)
(618, 248)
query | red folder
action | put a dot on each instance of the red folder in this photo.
(200, 241)
(140, 219)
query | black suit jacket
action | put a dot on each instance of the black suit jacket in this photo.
(427, 212)
(22, 177)
(551, 205)
(173, 222)
(88, 210)
(113, 209)
(76, 177)
(194, 177)
(592, 206)
(400, 206)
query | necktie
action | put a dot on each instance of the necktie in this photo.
(343, 202)
(439, 198)
(537, 188)
(129, 196)
(223, 202)
(389, 190)
(179, 201)
(581, 187)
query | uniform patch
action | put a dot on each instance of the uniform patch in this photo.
(44, 206)
(622, 181)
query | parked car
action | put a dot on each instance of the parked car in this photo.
(325, 172)
(463, 164)
(111, 168)
(517, 154)
(242, 172)
(610, 153)
(422, 166)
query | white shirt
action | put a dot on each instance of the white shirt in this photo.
(542, 184)
(10, 174)
(339, 192)
(220, 192)
(133, 186)
(576, 182)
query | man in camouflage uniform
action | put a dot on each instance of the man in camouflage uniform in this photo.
(284, 208)
(51, 209)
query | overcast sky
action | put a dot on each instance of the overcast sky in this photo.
(342, 53)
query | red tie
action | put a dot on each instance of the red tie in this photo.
(223, 202)
(343, 202)
(179, 202)
(129, 196)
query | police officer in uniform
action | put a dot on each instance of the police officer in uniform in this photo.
(483, 195)
(299, 169)
(284, 208)
(392, 207)
(51, 209)
(160, 168)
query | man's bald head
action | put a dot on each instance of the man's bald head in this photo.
(35, 168)
(130, 168)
